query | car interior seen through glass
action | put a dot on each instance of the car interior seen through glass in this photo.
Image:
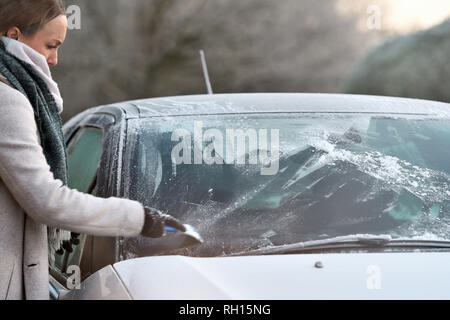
(339, 174)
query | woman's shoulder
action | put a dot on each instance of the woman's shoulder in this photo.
(12, 96)
(16, 114)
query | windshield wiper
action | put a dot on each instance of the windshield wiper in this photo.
(366, 241)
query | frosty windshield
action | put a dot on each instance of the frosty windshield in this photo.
(250, 181)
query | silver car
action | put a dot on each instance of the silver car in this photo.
(296, 196)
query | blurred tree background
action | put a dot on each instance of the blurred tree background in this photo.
(414, 66)
(132, 49)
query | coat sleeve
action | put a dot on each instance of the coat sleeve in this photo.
(26, 173)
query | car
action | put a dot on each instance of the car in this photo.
(296, 196)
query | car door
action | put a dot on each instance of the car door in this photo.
(88, 150)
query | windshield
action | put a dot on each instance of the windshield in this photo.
(246, 182)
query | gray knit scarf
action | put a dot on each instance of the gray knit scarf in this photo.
(24, 78)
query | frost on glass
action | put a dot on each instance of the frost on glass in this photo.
(339, 175)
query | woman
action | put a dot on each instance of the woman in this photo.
(33, 166)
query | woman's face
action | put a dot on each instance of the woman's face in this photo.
(48, 39)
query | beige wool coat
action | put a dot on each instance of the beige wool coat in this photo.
(31, 199)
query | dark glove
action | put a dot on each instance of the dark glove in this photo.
(156, 221)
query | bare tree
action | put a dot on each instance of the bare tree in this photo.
(146, 48)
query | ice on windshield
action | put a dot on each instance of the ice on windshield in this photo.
(338, 175)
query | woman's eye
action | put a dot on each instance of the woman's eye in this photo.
(51, 47)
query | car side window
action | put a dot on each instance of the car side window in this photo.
(83, 152)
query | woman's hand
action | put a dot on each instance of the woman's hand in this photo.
(156, 221)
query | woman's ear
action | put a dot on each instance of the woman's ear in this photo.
(14, 33)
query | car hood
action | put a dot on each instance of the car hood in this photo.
(409, 275)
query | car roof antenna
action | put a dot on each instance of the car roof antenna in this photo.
(205, 72)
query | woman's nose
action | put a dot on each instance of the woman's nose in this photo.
(52, 59)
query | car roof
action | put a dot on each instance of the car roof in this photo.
(215, 104)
